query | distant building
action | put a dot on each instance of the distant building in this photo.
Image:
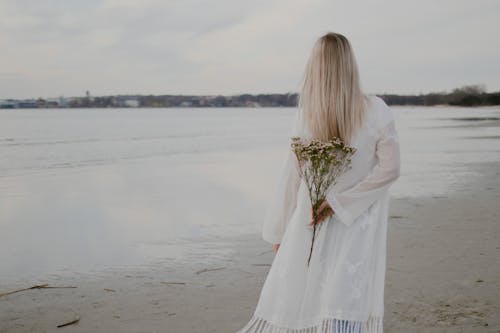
(131, 103)
(27, 104)
(63, 102)
(7, 104)
(52, 104)
(252, 104)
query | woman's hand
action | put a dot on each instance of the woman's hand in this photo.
(324, 211)
(276, 247)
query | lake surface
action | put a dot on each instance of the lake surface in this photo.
(90, 189)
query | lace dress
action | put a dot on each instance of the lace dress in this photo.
(342, 290)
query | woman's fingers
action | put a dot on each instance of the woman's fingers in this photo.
(328, 211)
(324, 205)
(323, 214)
(324, 211)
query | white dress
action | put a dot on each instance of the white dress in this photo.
(342, 290)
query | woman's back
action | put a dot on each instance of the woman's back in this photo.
(376, 140)
(378, 115)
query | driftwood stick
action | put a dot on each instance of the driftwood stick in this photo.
(39, 286)
(209, 270)
(74, 321)
(264, 252)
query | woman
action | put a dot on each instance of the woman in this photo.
(342, 289)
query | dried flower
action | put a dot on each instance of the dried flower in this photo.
(320, 165)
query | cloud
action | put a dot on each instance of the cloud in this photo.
(234, 46)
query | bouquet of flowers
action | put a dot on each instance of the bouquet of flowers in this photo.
(320, 165)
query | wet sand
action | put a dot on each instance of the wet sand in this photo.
(443, 264)
(443, 269)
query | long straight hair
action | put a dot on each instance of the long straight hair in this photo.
(331, 100)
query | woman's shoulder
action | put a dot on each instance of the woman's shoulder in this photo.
(380, 108)
(376, 102)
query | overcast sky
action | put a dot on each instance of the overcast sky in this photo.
(51, 48)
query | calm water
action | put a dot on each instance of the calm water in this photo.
(88, 189)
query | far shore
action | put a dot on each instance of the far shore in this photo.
(468, 96)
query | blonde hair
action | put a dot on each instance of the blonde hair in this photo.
(331, 100)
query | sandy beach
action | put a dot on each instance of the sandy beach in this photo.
(443, 266)
(442, 276)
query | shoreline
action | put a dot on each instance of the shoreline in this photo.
(441, 270)
(492, 106)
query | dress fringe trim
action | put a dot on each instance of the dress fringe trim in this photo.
(327, 325)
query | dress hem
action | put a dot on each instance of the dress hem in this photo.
(326, 325)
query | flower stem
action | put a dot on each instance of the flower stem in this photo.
(312, 243)
(313, 236)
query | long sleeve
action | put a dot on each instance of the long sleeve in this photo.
(284, 200)
(283, 203)
(351, 203)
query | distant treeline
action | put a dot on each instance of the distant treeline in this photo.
(473, 95)
(244, 100)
